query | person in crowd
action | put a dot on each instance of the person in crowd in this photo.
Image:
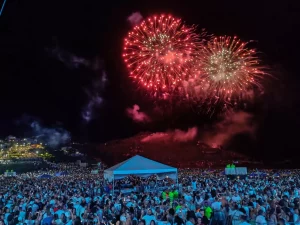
(272, 217)
(243, 219)
(148, 217)
(260, 219)
(236, 213)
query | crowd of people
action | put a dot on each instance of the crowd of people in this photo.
(202, 197)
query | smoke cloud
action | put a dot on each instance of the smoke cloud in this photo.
(71, 60)
(53, 137)
(93, 92)
(233, 123)
(88, 110)
(68, 59)
(135, 18)
(137, 116)
(174, 136)
(94, 98)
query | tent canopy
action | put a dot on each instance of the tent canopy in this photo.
(139, 166)
(61, 174)
(45, 176)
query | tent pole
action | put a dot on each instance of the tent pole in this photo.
(113, 192)
(177, 179)
(156, 183)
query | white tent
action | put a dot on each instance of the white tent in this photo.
(140, 166)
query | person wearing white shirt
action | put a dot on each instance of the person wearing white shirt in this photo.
(77, 208)
(296, 217)
(263, 208)
(88, 200)
(216, 206)
(286, 193)
(247, 210)
(272, 217)
(188, 197)
(218, 213)
(117, 205)
(9, 205)
(194, 185)
(149, 217)
(22, 215)
(260, 219)
(198, 200)
(129, 204)
(236, 198)
(236, 213)
(59, 211)
(191, 221)
(82, 210)
(251, 191)
(52, 201)
(296, 193)
(244, 220)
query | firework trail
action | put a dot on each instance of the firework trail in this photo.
(162, 52)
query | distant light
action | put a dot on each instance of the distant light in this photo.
(37, 152)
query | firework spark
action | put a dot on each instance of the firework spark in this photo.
(162, 52)
(229, 70)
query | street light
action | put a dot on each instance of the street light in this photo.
(37, 152)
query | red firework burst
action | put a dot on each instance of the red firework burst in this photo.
(162, 52)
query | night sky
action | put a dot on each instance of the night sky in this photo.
(34, 82)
